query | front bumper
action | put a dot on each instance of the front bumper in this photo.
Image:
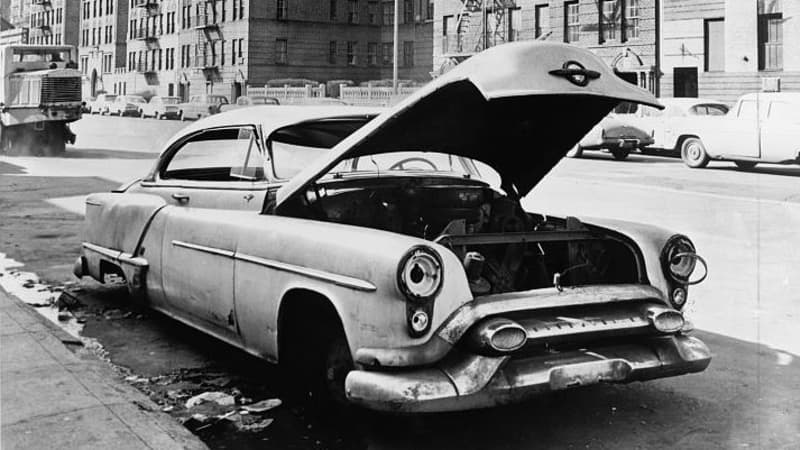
(467, 381)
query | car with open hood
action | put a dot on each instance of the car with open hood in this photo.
(391, 264)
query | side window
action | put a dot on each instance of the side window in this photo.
(781, 110)
(227, 154)
(747, 109)
(717, 110)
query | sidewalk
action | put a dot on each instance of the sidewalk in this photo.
(52, 398)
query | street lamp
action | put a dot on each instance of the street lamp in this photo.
(396, 45)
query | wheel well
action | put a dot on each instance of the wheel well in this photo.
(304, 318)
(679, 142)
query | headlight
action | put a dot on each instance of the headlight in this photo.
(678, 261)
(420, 274)
(419, 278)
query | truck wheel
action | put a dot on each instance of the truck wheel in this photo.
(693, 153)
(620, 153)
(745, 165)
(575, 152)
(53, 140)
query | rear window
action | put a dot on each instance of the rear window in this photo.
(709, 110)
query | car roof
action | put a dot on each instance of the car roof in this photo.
(794, 96)
(273, 117)
(688, 101)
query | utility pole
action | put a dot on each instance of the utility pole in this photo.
(396, 45)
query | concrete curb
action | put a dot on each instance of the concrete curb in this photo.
(54, 398)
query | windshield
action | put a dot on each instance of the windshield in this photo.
(31, 55)
(416, 163)
(135, 99)
(169, 100)
(217, 99)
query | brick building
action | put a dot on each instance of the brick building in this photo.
(724, 48)
(102, 42)
(53, 22)
(184, 47)
(624, 33)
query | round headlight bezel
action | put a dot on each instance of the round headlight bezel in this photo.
(424, 263)
(679, 260)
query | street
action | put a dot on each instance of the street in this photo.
(746, 224)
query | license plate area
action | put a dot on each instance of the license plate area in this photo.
(588, 373)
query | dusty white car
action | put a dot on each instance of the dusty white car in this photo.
(160, 107)
(666, 125)
(384, 267)
(760, 128)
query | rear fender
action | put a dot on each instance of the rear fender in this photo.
(117, 221)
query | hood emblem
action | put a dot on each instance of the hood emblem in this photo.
(576, 73)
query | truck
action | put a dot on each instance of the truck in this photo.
(40, 94)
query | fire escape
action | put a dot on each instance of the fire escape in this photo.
(207, 32)
(147, 33)
(42, 21)
(480, 24)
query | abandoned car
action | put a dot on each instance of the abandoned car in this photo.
(390, 264)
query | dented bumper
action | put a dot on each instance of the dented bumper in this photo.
(466, 381)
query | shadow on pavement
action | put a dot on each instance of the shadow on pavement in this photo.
(747, 397)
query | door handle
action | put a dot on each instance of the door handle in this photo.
(249, 196)
(181, 198)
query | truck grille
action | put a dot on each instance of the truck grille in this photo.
(61, 90)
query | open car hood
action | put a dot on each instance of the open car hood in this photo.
(517, 107)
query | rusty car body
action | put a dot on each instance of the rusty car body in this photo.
(393, 267)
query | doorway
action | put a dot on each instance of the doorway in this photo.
(183, 91)
(684, 81)
(94, 83)
(236, 91)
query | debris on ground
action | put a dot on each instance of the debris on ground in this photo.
(262, 406)
(219, 398)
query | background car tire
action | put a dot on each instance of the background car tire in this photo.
(620, 153)
(745, 165)
(181, 116)
(575, 152)
(693, 153)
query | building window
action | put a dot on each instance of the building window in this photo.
(387, 53)
(332, 52)
(714, 43)
(333, 11)
(241, 55)
(372, 53)
(352, 11)
(282, 10)
(770, 35)
(408, 11)
(222, 53)
(572, 24)
(609, 20)
(372, 13)
(542, 21)
(514, 24)
(408, 53)
(351, 53)
(388, 12)
(631, 19)
(281, 49)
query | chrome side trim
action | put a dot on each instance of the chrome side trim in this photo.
(339, 280)
(116, 255)
(204, 249)
(93, 203)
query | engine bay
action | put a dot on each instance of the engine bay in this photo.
(503, 248)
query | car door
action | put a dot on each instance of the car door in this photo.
(780, 132)
(735, 134)
(197, 269)
(218, 168)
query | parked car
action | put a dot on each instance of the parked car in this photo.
(253, 100)
(666, 125)
(160, 107)
(86, 105)
(384, 268)
(200, 106)
(616, 134)
(126, 105)
(102, 103)
(760, 128)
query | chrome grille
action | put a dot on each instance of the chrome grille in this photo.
(61, 90)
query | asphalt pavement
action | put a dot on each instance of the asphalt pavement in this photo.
(745, 223)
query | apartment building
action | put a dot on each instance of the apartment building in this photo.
(101, 43)
(15, 14)
(185, 47)
(53, 22)
(624, 33)
(724, 48)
